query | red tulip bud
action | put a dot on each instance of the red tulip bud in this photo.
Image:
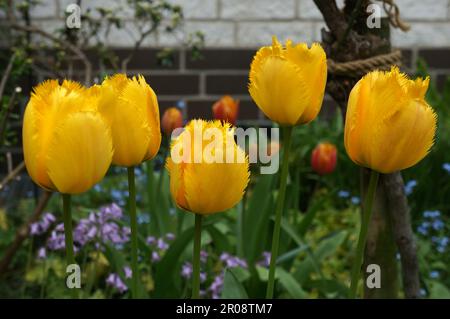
(172, 119)
(226, 109)
(323, 158)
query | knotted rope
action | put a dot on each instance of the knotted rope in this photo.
(358, 68)
(393, 12)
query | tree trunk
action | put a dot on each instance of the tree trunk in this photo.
(349, 39)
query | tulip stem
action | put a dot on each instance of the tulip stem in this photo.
(196, 257)
(367, 213)
(279, 211)
(134, 231)
(68, 237)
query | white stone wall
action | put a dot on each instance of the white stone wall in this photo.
(251, 23)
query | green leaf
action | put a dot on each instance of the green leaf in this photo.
(326, 248)
(439, 291)
(290, 284)
(221, 242)
(232, 288)
(256, 219)
(166, 273)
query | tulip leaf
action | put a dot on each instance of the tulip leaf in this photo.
(256, 220)
(166, 270)
(221, 242)
(290, 284)
(232, 288)
(325, 248)
(308, 218)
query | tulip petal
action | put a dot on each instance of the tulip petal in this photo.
(389, 126)
(313, 65)
(278, 88)
(215, 187)
(48, 105)
(80, 152)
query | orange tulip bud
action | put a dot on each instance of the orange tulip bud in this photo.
(323, 158)
(226, 109)
(172, 119)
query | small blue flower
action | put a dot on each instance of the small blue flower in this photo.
(446, 166)
(409, 187)
(438, 224)
(422, 230)
(181, 104)
(355, 200)
(431, 214)
(343, 194)
(434, 274)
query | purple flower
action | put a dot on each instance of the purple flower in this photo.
(232, 261)
(101, 226)
(216, 286)
(151, 240)
(162, 245)
(186, 270)
(115, 281)
(56, 241)
(42, 253)
(203, 256)
(43, 225)
(203, 277)
(170, 236)
(155, 256)
(34, 229)
(265, 262)
(128, 272)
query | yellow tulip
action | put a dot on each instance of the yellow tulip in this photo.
(389, 126)
(131, 108)
(288, 84)
(204, 186)
(67, 144)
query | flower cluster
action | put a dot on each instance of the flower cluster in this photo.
(409, 187)
(115, 281)
(355, 200)
(43, 225)
(98, 227)
(101, 226)
(159, 245)
(435, 226)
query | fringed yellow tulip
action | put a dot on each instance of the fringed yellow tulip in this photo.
(389, 126)
(131, 108)
(200, 185)
(288, 84)
(66, 143)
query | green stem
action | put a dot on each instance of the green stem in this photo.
(28, 265)
(44, 278)
(68, 234)
(196, 257)
(367, 213)
(154, 229)
(134, 231)
(279, 211)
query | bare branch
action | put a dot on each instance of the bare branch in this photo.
(401, 227)
(6, 74)
(66, 44)
(333, 17)
(23, 232)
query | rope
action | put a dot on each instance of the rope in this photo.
(393, 12)
(358, 68)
